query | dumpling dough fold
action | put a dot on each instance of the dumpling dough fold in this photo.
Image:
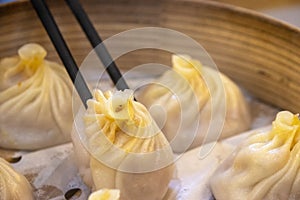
(174, 92)
(35, 101)
(265, 166)
(127, 151)
(13, 186)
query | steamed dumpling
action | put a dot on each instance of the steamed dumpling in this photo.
(13, 186)
(129, 152)
(105, 194)
(266, 166)
(35, 103)
(186, 81)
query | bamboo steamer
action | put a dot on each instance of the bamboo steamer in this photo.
(258, 52)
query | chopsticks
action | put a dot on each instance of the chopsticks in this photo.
(64, 53)
(95, 40)
(62, 49)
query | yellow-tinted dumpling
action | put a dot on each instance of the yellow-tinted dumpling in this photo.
(175, 90)
(13, 186)
(129, 152)
(105, 194)
(35, 101)
(265, 166)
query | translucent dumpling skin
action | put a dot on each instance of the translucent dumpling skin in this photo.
(13, 186)
(128, 151)
(175, 94)
(265, 167)
(35, 101)
(105, 194)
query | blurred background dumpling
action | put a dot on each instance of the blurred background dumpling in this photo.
(265, 166)
(174, 92)
(13, 186)
(105, 194)
(35, 101)
(127, 151)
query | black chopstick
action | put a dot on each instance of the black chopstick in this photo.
(62, 49)
(95, 40)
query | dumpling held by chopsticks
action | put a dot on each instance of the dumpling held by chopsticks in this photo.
(127, 151)
(35, 101)
(265, 166)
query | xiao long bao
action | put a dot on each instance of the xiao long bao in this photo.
(192, 83)
(265, 166)
(127, 151)
(34, 101)
(105, 194)
(13, 185)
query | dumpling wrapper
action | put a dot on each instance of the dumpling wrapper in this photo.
(13, 186)
(266, 166)
(105, 194)
(128, 150)
(35, 101)
(186, 79)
